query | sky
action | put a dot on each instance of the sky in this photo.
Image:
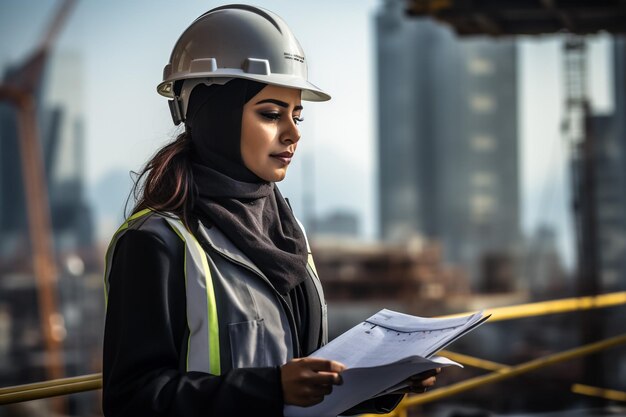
(125, 45)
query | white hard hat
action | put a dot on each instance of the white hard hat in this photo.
(235, 41)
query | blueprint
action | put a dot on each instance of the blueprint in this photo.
(383, 351)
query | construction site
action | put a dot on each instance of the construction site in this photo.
(484, 168)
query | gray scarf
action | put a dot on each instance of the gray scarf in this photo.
(250, 211)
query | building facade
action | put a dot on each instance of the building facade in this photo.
(447, 139)
(607, 133)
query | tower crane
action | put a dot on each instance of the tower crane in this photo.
(20, 88)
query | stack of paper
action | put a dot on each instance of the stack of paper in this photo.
(383, 351)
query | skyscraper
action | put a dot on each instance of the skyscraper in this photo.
(447, 140)
(607, 134)
(60, 112)
(65, 152)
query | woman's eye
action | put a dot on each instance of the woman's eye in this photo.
(271, 116)
(277, 116)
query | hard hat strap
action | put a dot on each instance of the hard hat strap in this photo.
(175, 110)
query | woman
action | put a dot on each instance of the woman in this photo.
(212, 297)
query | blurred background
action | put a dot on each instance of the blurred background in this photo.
(472, 157)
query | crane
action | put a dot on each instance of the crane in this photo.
(20, 89)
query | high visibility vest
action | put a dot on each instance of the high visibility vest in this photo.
(235, 317)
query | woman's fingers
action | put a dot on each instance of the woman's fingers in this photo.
(317, 390)
(420, 382)
(425, 374)
(323, 371)
(306, 381)
(428, 382)
(326, 378)
(325, 365)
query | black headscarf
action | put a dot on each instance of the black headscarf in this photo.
(249, 210)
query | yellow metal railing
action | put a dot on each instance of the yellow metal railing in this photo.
(53, 388)
(565, 305)
(501, 372)
(512, 371)
(608, 394)
(494, 366)
(66, 386)
(505, 373)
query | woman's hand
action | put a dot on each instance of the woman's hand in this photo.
(419, 383)
(307, 380)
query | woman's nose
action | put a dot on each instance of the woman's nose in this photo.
(291, 133)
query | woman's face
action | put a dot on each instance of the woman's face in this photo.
(269, 131)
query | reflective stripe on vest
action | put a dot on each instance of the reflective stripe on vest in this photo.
(203, 345)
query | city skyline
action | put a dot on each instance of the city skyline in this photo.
(341, 134)
(472, 189)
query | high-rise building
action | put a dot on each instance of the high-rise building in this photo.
(619, 88)
(608, 135)
(447, 139)
(65, 152)
(610, 207)
(60, 114)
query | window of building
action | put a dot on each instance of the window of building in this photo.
(610, 277)
(482, 103)
(483, 179)
(482, 207)
(483, 143)
(480, 66)
(608, 211)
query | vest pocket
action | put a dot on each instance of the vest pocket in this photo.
(247, 344)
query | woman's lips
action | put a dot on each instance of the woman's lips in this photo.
(283, 157)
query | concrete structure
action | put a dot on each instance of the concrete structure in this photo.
(360, 279)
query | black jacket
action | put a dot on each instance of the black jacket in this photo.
(144, 345)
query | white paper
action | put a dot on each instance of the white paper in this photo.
(380, 353)
(363, 383)
(389, 336)
(441, 362)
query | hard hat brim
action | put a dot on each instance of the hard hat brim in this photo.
(310, 92)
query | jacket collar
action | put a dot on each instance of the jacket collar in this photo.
(221, 244)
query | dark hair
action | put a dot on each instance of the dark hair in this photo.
(165, 183)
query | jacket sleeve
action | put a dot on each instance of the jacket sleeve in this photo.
(144, 340)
